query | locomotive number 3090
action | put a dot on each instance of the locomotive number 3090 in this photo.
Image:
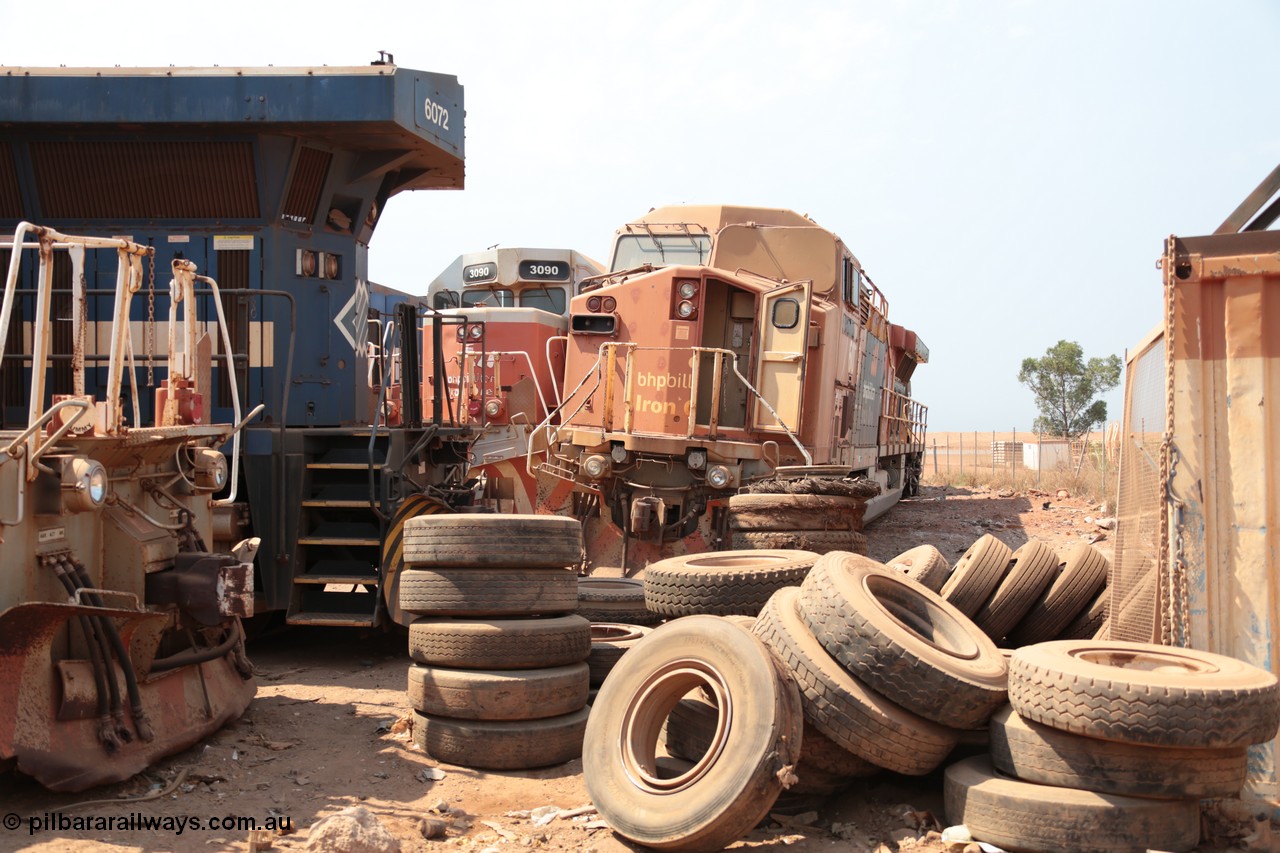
(436, 114)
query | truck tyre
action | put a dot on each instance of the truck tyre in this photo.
(735, 783)
(976, 574)
(843, 708)
(497, 694)
(614, 600)
(1144, 693)
(795, 512)
(1036, 753)
(823, 767)
(1089, 623)
(722, 582)
(609, 642)
(486, 540)
(500, 643)
(1083, 573)
(924, 564)
(501, 745)
(817, 541)
(1034, 818)
(904, 641)
(488, 592)
(1031, 569)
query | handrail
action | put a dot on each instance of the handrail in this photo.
(542, 398)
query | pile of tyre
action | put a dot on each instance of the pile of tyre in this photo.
(615, 608)
(870, 669)
(499, 678)
(1110, 745)
(1018, 597)
(818, 523)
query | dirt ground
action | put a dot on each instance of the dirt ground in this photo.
(328, 730)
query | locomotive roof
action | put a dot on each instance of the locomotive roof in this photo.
(713, 217)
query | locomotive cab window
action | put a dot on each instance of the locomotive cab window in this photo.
(786, 314)
(445, 299)
(545, 299)
(488, 297)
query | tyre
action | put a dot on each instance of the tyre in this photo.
(500, 643)
(924, 564)
(514, 694)
(976, 574)
(485, 540)
(609, 642)
(840, 706)
(1036, 753)
(1088, 624)
(504, 745)
(817, 541)
(903, 641)
(1082, 575)
(1022, 816)
(735, 783)
(488, 592)
(1144, 694)
(1031, 569)
(614, 600)
(795, 512)
(722, 582)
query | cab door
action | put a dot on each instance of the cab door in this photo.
(783, 333)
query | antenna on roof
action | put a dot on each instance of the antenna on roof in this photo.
(384, 58)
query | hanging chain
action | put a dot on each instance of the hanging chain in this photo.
(150, 336)
(1174, 605)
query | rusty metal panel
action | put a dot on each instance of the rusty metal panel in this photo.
(167, 179)
(1223, 340)
(309, 175)
(10, 198)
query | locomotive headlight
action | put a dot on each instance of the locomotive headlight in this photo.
(595, 466)
(593, 304)
(608, 304)
(475, 332)
(462, 333)
(719, 476)
(684, 310)
(688, 289)
(493, 407)
(84, 484)
(210, 469)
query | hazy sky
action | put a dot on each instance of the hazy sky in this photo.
(1006, 171)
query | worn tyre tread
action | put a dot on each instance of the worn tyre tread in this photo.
(687, 586)
(924, 564)
(488, 592)
(976, 574)
(843, 708)
(500, 643)
(1236, 706)
(485, 540)
(1031, 569)
(487, 694)
(489, 745)
(1082, 574)
(817, 541)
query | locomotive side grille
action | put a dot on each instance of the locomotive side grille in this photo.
(10, 199)
(308, 180)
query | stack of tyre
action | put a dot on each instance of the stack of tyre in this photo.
(818, 523)
(1110, 745)
(869, 669)
(1018, 597)
(499, 678)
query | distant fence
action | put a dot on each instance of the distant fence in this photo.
(1022, 455)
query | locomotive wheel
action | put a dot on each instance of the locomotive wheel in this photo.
(1083, 574)
(840, 706)
(722, 582)
(1169, 696)
(517, 694)
(1045, 819)
(817, 541)
(976, 574)
(488, 592)
(735, 783)
(486, 540)
(501, 745)
(924, 564)
(500, 643)
(1031, 569)
(903, 641)
(795, 512)
(1036, 753)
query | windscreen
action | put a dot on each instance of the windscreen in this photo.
(660, 250)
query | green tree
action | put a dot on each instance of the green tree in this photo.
(1067, 388)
